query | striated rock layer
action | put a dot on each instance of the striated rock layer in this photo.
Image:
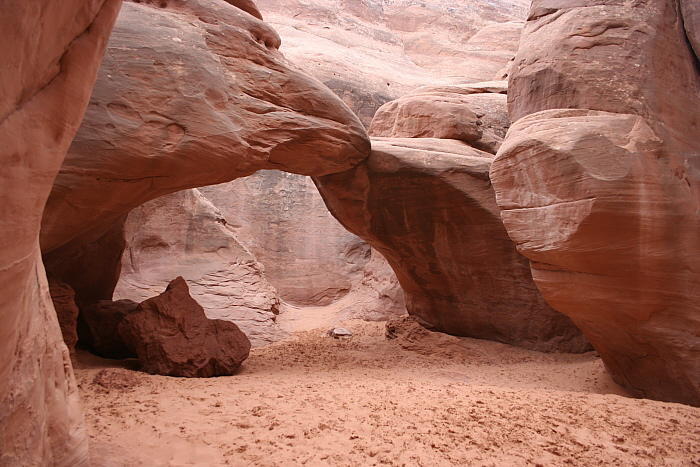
(427, 205)
(192, 94)
(599, 181)
(51, 53)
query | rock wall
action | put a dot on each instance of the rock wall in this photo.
(51, 53)
(308, 256)
(599, 181)
(370, 52)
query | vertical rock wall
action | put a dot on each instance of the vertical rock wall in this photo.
(51, 53)
(599, 181)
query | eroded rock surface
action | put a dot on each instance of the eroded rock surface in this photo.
(370, 52)
(192, 94)
(308, 256)
(183, 233)
(428, 207)
(599, 181)
(171, 336)
(51, 53)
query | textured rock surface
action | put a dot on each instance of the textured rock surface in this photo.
(184, 234)
(603, 197)
(100, 327)
(428, 207)
(171, 336)
(63, 299)
(50, 57)
(280, 217)
(370, 52)
(192, 94)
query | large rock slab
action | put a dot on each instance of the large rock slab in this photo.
(428, 207)
(184, 234)
(476, 113)
(171, 336)
(192, 94)
(426, 117)
(51, 53)
(599, 183)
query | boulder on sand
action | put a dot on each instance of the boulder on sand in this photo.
(171, 336)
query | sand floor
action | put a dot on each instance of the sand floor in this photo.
(422, 399)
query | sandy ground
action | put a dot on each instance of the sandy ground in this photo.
(421, 399)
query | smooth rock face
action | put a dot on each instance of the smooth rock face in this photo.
(171, 336)
(101, 327)
(51, 53)
(184, 234)
(605, 202)
(280, 217)
(63, 298)
(192, 94)
(426, 117)
(428, 207)
(370, 52)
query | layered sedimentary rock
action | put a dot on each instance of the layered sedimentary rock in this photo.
(51, 53)
(184, 234)
(599, 181)
(370, 52)
(428, 207)
(171, 336)
(192, 94)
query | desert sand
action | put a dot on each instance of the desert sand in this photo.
(419, 399)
